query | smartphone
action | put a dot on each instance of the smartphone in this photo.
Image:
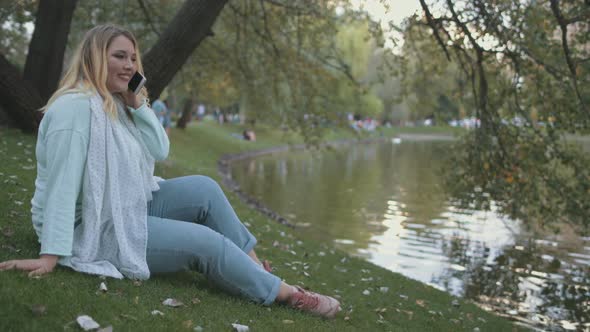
(136, 82)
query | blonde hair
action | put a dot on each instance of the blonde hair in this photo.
(88, 70)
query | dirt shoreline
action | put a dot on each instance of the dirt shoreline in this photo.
(224, 166)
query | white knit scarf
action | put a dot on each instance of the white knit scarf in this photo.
(118, 182)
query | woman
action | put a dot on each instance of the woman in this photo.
(97, 208)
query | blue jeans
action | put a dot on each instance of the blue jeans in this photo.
(191, 225)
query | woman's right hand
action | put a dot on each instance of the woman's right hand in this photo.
(36, 267)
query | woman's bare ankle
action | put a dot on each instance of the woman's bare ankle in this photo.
(285, 292)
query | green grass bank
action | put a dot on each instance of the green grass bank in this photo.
(63, 295)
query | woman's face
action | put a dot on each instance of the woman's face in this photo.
(121, 64)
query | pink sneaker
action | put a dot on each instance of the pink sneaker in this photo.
(314, 303)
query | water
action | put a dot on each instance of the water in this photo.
(385, 202)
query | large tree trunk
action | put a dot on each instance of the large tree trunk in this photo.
(19, 99)
(46, 50)
(187, 110)
(189, 27)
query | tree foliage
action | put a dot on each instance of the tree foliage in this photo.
(526, 60)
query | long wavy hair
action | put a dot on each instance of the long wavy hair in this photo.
(88, 70)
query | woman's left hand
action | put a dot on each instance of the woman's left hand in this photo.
(36, 267)
(131, 99)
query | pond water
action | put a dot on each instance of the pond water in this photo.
(385, 202)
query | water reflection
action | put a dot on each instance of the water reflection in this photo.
(385, 202)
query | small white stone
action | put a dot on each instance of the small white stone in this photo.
(172, 303)
(240, 328)
(87, 323)
(366, 292)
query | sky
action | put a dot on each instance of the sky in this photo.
(398, 10)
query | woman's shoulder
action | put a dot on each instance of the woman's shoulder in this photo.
(71, 102)
(69, 111)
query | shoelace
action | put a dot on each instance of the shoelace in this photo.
(306, 300)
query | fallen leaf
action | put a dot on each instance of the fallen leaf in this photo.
(288, 321)
(10, 248)
(240, 328)
(8, 232)
(421, 303)
(87, 323)
(187, 324)
(172, 303)
(198, 329)
(157, 312)
(409, 313)
(384, 289)
(38, 310)
(195, 301)
(126, 316)
(136, 300)
(366, 292)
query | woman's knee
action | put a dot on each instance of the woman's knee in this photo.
(205, 183)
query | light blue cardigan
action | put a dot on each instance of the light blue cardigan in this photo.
(62, 147)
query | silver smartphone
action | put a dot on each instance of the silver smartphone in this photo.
(136, 82)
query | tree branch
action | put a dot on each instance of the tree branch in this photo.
(566, 51)
(434, 27)
(148, 17)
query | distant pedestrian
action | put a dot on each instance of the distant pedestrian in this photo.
(163, 113)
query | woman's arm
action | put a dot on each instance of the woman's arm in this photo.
(66, 152)
(152, 132)
(150, 127)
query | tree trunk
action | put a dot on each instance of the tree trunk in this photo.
(187, 110)
(19, 99)
(46, 50)
(185, 32)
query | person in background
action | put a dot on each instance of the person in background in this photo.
(249, 135)
(98, 209)
(162, 112)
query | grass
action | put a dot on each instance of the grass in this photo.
(407, 305)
